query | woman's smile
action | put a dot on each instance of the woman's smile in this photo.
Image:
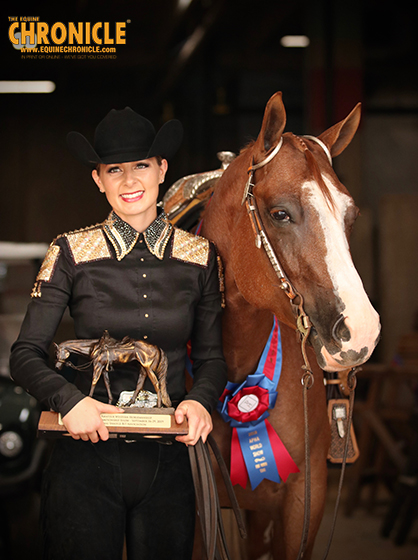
(132, 197)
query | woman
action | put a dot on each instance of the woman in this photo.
(133, 275)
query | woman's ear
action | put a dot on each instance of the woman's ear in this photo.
(163, 170)
(96, 179)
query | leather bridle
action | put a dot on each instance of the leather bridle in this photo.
(261, 238)
(303, 323)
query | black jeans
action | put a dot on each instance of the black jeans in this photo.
(95, 494)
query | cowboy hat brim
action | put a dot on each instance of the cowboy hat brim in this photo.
(165, 144)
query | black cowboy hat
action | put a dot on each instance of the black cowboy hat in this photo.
(126, 136)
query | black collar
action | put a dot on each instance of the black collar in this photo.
(124, 237)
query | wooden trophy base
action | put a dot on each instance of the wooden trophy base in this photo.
(133, 423)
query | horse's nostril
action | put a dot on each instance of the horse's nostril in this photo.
(340, 331)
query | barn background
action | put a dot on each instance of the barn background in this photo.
(214, 64)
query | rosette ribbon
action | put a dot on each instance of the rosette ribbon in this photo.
(257, 452)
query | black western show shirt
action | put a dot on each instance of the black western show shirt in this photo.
(160, 286)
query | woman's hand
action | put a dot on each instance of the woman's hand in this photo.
(199, 419)
(84, 421)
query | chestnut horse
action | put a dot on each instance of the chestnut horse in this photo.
(307, 216)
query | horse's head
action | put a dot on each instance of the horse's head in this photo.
(307, 215)
(61, 355)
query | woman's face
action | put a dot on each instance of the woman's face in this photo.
(132, 189)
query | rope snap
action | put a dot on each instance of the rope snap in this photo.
(307, 378)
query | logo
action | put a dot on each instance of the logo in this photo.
(19, 44)
(248, 403)
(40, 39)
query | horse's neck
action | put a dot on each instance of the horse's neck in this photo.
(245, 328)
(245, 333)
(82, 347)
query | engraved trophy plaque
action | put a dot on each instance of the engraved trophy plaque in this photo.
(146, 415)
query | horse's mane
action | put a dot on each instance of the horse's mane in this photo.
(247, 146)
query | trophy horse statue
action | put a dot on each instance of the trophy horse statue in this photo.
(106, 351)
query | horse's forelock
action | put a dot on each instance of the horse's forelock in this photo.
(313, 167)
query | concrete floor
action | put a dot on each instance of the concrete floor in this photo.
(358, 537)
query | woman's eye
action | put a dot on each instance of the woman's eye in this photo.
(280, 215)
(113, 170)
(141, 166)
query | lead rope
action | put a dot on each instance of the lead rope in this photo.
(351, 382)
(304, 327)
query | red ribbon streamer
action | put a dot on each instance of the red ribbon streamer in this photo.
(270, 364)
(285, 463)
(238, 469)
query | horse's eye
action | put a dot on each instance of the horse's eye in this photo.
(280, 215)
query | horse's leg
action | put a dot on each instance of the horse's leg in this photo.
(148, 364)
(98, 369)
(107, 383)
(97, 372)
(277, 536)
(154, 380)
(288, 522)
(140, 383)
(161, 372)
(260, 532)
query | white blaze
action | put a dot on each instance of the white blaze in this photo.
(360, 317)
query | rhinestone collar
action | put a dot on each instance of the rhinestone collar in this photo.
(124, 237)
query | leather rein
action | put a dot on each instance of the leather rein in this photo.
(303, 326)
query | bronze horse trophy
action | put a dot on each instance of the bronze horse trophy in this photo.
(106, 351)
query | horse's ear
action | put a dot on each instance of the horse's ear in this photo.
(55, 345)
(338, 137)
(274, 121)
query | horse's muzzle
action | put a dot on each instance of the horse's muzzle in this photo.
(337, 353)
